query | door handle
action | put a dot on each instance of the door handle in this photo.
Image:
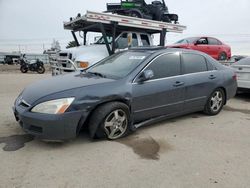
(212, 77)
(178, 84)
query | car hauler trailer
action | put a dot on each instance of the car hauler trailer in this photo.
(110, 26)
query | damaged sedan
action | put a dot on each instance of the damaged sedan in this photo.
(123, 92)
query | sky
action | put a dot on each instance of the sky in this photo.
(31, 25)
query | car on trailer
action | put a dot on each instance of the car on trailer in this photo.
(123, 92)
(157, 10)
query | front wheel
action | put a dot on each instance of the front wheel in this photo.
(23, 69)
(136, 14)
(111, 120)
(215, 102)
(41, 69)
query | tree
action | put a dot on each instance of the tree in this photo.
(71, 44)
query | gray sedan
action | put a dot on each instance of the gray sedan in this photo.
(123, 92)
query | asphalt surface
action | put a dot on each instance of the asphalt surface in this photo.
(190, 151)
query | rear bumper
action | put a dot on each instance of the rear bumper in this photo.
(231, 90)
(49, 127)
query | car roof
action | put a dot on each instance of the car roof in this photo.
(160, 49)
(157, 50)
(244, 61)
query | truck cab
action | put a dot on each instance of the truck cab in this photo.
(84, 56)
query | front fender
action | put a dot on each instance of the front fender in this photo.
(93, 128)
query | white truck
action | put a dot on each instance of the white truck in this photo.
(118, 33)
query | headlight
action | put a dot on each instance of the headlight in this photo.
(58, 106)
(83, 64)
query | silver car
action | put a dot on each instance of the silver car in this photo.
(242, 69)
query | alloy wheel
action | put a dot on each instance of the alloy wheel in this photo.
(116, 123)
(223, 56)
(216, 101)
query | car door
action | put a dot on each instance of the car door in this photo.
(163, 94)
(201, 79)
(202, 45)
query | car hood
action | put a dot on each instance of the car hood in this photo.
(92, 53)
(85, 53)
(59, 84)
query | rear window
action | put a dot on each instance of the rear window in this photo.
(245, 61)
(213, 41)
(194, 63)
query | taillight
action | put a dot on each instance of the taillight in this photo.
(235, 77)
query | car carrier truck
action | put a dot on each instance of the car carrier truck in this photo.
(118, 33)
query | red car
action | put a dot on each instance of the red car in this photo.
(211, 46)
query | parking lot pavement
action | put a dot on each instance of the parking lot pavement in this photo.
(190, 151)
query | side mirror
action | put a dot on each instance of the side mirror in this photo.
(116, 45)
(146, 75)
(196, 43)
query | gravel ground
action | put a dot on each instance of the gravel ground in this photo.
(190, 151)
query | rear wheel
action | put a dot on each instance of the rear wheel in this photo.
(111, 120)
(222, 56)
(215, 102)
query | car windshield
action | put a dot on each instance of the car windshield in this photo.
(245, 61)
(187, 40)
(101, 40)
(118, 65)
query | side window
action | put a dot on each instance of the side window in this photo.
(122, 41)
(212, 41)
(134, 40)
(166, 66)
(202, 41)
(194, 63)
(145, 40)
(210, 66)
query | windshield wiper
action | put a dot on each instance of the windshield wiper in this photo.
(97, 74)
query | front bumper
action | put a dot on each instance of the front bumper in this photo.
(47, 126)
